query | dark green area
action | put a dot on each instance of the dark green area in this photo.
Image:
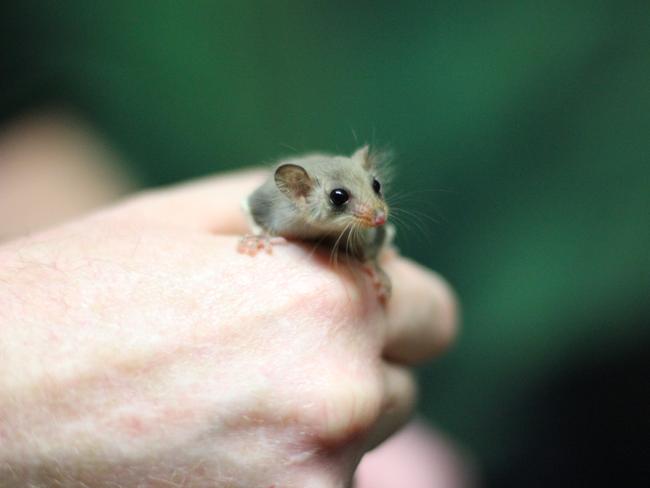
(522, 128)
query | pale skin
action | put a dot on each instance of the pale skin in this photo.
(140, 349)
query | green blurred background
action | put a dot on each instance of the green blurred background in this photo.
(521, 127)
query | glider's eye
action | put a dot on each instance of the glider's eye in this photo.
(339, 197)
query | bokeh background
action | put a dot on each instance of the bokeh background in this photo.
(522, 134)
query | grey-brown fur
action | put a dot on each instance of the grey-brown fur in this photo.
(290, 207)
(333, 200)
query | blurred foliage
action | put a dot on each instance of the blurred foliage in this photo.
(522, 134)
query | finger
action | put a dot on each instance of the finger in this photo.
(417, 457)
(400, 392)
(211, 204)
(422, 313)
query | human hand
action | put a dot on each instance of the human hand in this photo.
(139, 348)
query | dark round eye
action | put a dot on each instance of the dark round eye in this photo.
(339, 197)
(376, 186)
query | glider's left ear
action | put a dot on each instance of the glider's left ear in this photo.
(293, 181)
(363, 156)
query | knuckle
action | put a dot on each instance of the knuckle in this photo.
(401, 389)
(345, 407)
(449, 318)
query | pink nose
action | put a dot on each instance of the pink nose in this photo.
(380, 218)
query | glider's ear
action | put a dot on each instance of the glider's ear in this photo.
(293, 181)
(363, 156)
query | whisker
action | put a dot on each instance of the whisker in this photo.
(334, 252)
(353, 236)
(317, 244)
(354, 134)
(424, 230)
(416, 214)
(289, 147)
(395, 198)
(400, 222)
